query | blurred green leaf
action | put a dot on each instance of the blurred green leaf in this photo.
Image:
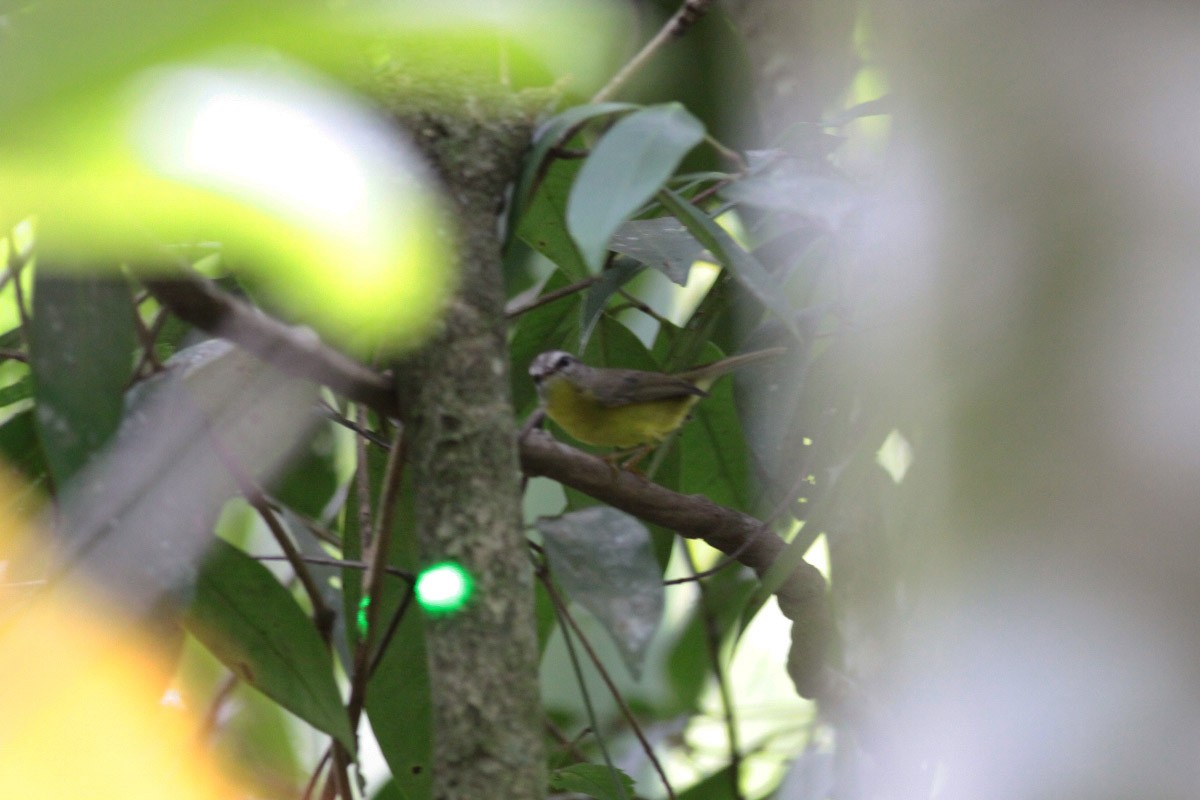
(718, 786)
(21, 447)
(15, 392)
(626, 167)
(12, 339)
(81, 356)
(299, 180)
(257, 736)
(593, 780)
(311, 478)
(605, 561)
(543, 226)
(662, 243)
(255, 627)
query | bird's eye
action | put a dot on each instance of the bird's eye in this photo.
(563, 362)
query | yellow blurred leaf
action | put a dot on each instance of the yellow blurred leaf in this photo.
(81, 692)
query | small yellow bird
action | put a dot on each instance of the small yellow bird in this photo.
(625, 407)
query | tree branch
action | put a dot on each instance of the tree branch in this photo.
(296, 351)
(801, 597)
(687, 15)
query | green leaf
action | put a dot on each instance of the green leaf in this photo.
(311, 479)
(400, 706)
(543, 226)
(748, 271)
(593, 780)
(543, 328)
(12, 339)
(718, 786)
(597, 295)
(21, 449)
(390, 791)
(624, 170)
(544, 615)
(550, 135)
(605, 561)
(81, 356)
(688, 665)
(613, 344)
(662, 243)
(18, 390)
(714, 447)
(399, 703)
(254, 626)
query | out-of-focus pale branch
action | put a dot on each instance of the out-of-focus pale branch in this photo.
(297, 351)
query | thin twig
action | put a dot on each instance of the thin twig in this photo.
(676, 26)
(568, 153)
(550, 297)
(311, 786)
(371, 436)
(16, 263)
(713, 646)
(561, 606)
(709, 191)
(14, 355)
(727, 153)
(319, 531)
(150, 334)
(560, 613)
(209, 724)
(362, 478)
(340, 562)
(569, 745)
(724, 563)
(634, 303)
(376, 556)
(338, 784)
(393, 626)
(323, 615)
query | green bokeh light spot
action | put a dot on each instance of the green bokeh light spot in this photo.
(361, 616)
(444, 588)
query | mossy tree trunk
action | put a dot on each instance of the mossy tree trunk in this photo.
(461, 447)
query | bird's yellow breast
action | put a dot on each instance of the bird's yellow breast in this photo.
(580, 415)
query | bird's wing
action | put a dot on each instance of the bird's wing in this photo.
(627, 386)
